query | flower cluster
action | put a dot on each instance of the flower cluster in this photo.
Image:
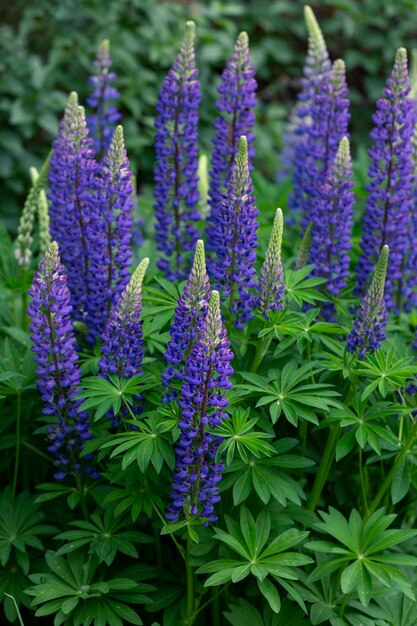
(332, 226)
(43, 212)
(270, 287)
(122, 339)
(368, 333)
(206, 379)
(56, 359)
(188, 320)
(176, 154)
(104, 116)
(232, 236)
(74, 211)
(391, 187)
(236, 106)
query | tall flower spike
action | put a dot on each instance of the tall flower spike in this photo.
(23, 252)
(368, 333)
(57, 369)
(316, 70)
(188, 320)
(332, 227)
(104, 115)
(206, 381)
(76, 222)
(270, 288)
(122, 339)
(110, 272)
(391, 186)
(329, 124)
(176, 169)
(232, 235)
(43, 214)
(236, 117)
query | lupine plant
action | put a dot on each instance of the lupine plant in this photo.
(231, 440)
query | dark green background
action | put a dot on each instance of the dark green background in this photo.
(47, 49)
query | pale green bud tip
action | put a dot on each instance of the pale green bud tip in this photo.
(214, 303)
(137, 277)
(73, 99)
(243, 39)
(401, 55)
(343, 152)
(313, 28)
(104, 46)
(189, 31)
(199, 265)
(51, 253)
(34, 174)
(242, 153)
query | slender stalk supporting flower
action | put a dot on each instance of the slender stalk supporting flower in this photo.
(317, 69)
(188, 321)
(270, 288)
(57, 369)
(206, 380)
(236, 106)
(233, 237)
(176, 170)
(368, 333)
(122, 339)
(76, 223)
(332, 227)
(391, 187)
(104, 114)
(43, 214)
(110, 272)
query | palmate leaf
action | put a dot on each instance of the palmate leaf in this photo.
(387, 371)
(238, 436)
(104, 536)
(133, 493)
(150, 443)
(265, 478)
(257, 556)
(287, 391)
(359, 553)
(300, 289)
(75, 591)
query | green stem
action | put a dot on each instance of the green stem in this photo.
(43, 456)
(80, 489)
(324, 467)
(180, 549)
(400, 458)
(362, 478)
(261, 350)
(215, 609)
(190, 588)
(17, 448)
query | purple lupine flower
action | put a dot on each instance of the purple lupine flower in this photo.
(329, 124)
(368, 333)
(122, 339)
(104, 116)
(57, 368)
(110, 271)
(75, 220)
(409, 278)
(232, 235)
(236, 107)
(317, 69)
(332, 226)
(176, 169)
(270, 287)
(391, 186)
(206, 380)
(188, 320)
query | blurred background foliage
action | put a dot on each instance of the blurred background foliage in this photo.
(47, 49)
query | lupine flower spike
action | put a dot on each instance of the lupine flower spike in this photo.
(23, 251)
(43, 214)
(391, 187)
(104, 116)
(368, 333)
(206, 380)
(232, 235)
(270, 287)
(317, 69)
(75, 218)
(176, 153)
(236, 107)
(188, 320)
(57, 369)
(122, 339)
(329, 124)
(332, 227)
(110, 273)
